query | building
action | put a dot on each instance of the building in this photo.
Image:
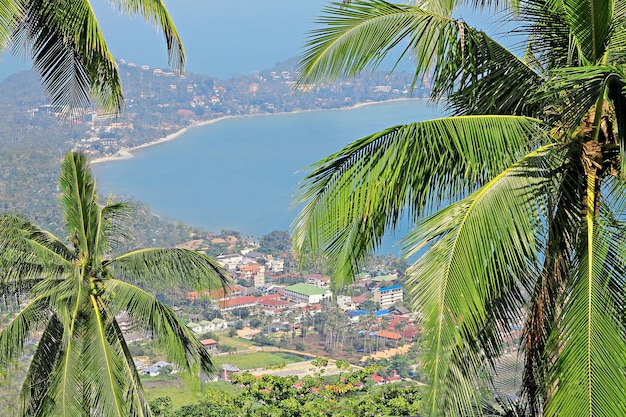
(210, 345)
(275, 265)
(206, 326)
(239, 302)
(387, 296)
(253, 273)
(306, 293)
(318, 280)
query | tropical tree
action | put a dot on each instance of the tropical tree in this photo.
(517, 199)
(75, 289)
(68, 51)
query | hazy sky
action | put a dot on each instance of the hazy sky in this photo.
(222, 37)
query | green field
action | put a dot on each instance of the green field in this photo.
(257, 360)
(179, 393)
(239, 343)
(172, 387)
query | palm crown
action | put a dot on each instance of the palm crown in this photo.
(518, 197)
(82, 365)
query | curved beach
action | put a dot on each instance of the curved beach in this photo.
(127, 153)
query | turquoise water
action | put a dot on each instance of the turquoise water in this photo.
(241, 173)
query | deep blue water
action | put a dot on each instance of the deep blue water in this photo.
(241, 173)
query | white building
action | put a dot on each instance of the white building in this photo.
(387, 296)
(306, 293)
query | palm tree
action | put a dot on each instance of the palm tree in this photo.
(68, 51)
(75, 289)
(517, 198)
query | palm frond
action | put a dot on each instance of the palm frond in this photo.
(355, 195)
(104, 366)
(26, 322)
(80, 202)
(70, 55)
(154, 11)
(162, 267)
(169, 333)
(359, 35)
(35, 400)
(469, 294)
(590, 23)
(588, 374)
(572, 92)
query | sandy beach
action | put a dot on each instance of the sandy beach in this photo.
(127, 153)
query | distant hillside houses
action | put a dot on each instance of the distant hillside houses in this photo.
(251, 266)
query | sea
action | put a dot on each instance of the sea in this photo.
(242, 173)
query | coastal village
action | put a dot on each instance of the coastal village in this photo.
(161, 103)
(260, 307)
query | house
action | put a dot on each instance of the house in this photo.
(210, 345)
(239, 302)
(252, 272)
(229, 261)
(152, 371)
(387, 296)
(274, 265)
(385, 334)
(155, 368)
(205, 326)
(345, 303)
(306, 293)
(227, 370)
(318, 280)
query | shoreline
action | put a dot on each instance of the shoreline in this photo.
(127, 153)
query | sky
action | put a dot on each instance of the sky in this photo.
(222, 38)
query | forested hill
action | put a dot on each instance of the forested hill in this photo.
(33, 140)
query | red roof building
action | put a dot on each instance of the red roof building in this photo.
(239, 302)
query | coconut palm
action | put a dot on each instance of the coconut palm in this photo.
(516, 199)
(68, 51)
(75, 289)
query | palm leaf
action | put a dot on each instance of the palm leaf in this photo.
(35, 400)
(154, 12)
(166, 266)
(70, 55)
(468, 293)
(169, 333)
(354, 196)
(359, 35)
(588, 373)
(104, 367)
(80, 202)
(26, 322)
(590, 23)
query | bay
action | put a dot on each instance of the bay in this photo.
(241, 173)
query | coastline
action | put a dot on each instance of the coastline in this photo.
(127, 153)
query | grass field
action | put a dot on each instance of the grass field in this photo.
(179, 393)
(257, 360)
(172, 387)
(239, 343)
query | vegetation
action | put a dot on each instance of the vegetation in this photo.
(352, 394)
(69, 52)
(518, 196)
(75, 290)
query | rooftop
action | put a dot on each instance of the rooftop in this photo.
(306, 289)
